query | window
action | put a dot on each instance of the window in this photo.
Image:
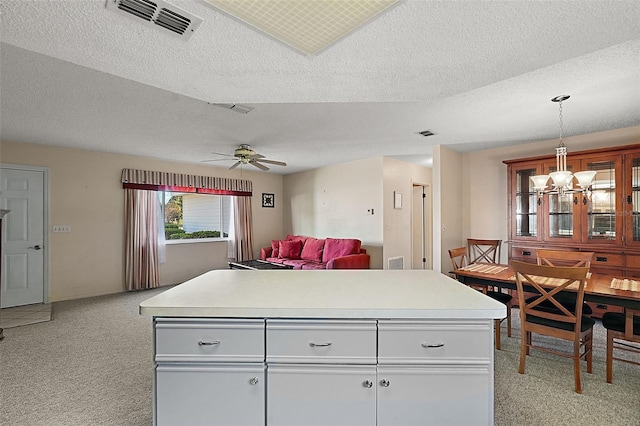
(194, 216)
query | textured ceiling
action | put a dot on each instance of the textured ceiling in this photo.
(477, 74)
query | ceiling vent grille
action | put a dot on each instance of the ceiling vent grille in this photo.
(158, 13)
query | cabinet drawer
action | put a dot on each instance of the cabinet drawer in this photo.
(633, 261)
(524, 254)
(420, 342)
(183, 339)
(345, 342)
(608, 259)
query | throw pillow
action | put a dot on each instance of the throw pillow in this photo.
(290, 249)
(291, 237)
(337, 247)
(312, 250)
(275, 248)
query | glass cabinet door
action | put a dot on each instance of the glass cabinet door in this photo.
(632, 201)
(603, 206)
(562, 212)
(524, 204)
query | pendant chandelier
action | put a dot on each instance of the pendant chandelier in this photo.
(562, 179)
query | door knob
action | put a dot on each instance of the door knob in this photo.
(36, 247)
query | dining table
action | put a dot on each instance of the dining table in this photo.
(601, 288)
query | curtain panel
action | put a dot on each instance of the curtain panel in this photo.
(141, 239)
(177, 182)
(242, 228)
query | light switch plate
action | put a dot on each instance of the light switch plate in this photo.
(61, 228)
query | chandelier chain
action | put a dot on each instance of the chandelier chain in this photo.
(561, 123)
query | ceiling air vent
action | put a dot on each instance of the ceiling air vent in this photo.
(159, 14)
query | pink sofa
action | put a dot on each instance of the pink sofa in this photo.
(312, 253)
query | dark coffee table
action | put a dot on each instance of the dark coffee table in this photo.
(257, 264)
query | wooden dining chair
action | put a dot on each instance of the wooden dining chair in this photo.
(459, 260)
(621, 326)
(556, 321)
(566, 258)
(486, 251)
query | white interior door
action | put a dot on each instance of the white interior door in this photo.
(23, 258)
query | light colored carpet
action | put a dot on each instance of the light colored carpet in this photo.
(92, 365)
(25, 315)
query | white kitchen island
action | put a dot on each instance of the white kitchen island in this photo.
(325, 348)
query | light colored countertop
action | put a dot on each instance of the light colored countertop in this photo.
(363, 294)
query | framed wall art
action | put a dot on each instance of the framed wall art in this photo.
(268, 200)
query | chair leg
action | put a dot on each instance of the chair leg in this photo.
(589, 349)
(497, 326)
(576, 365)
(609, 356)
(524, 350)
(508, 321)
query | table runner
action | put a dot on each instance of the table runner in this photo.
(625, 284)
(485, 268)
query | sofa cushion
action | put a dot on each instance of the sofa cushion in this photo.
(312, 250)
(314, 265)
(336, 247)
(296, 263)
(290, 249)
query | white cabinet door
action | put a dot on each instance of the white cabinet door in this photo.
(438, 395)
(321, 395)
(210, 394)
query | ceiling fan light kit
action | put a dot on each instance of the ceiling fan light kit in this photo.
(245, 155)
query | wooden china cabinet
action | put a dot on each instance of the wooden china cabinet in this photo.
(605, 220)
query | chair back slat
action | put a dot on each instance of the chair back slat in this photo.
(458, 257)
(486, 251)
(564, 258)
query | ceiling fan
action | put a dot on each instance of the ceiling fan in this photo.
(245, 155)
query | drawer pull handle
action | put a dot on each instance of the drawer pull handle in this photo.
(384, 383)
(319, 345)
(601, 259)
(215, 342)
(253, 381)
(526, 253)
(436, 345)
(367, 383)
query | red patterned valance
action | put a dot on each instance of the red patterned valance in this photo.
(177, 182)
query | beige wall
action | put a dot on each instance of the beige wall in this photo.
(447, 204)
(85, 193)
(399, 176)
(336, 201)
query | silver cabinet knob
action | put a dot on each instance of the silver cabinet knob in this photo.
(367, 383)
(253, 381)
(384, 383)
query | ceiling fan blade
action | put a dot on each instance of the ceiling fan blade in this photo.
(277, 163)
(220, 153)
(260, 166)
(234, 165)
(255, 156)
(219, 159)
